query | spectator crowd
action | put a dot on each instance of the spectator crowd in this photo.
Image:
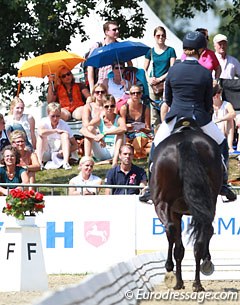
(121, 116)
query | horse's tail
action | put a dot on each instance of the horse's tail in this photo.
(196, 188)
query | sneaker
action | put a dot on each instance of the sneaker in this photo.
(67, 166)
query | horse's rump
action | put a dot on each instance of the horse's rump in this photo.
(187, 175)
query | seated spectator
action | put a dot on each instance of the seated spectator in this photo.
(69, 94)
(10, 172)
(134, 76)
(4, 134)
(28, 159)
(125, 174)
(108, 138)
(18, 120)
(55, 141)
(137, 118)
(223, 115)
(117, 85)
(85, 177)
(91, 114)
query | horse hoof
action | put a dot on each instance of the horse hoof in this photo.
(197, 287)
(207, 267)
(179, 286)
(170, 279)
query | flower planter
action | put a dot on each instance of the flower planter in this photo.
(28, 221)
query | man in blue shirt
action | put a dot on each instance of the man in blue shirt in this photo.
(125, 174)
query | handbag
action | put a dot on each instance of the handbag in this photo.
(159, 87)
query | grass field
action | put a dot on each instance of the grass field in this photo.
(61, 176)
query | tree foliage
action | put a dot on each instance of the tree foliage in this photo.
(226, 9)
(39, 26)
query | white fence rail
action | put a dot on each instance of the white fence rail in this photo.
(122, 284)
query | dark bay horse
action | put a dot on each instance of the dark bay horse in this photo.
(186, 179)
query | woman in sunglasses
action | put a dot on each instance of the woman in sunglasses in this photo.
(162, 58)
(69, 94)
(109, 135)
(28, 159)
(137, 117)
(117, 85)
(91, 114)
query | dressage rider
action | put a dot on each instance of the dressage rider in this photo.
(188, 93)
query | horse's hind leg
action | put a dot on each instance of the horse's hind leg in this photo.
(169, 265)
(178, 253)
(201, 251)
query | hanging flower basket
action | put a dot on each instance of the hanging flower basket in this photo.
(23, 203)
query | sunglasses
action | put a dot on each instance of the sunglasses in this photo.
(99, 91)
(158, 36)
(135, 93)
(66, 74)
(115, 30)
(109, 106)
(117, 68)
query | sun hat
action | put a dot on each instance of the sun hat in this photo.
(219, 37)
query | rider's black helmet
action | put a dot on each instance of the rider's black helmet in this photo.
(194, 41)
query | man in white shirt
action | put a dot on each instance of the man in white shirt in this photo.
(229, 64)
(55, 140)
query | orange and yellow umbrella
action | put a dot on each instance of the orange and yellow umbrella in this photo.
(48, 63)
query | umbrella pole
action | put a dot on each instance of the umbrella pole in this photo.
(19, 87)
(119, 66)
(52, 82)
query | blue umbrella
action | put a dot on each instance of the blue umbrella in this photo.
(116, 52)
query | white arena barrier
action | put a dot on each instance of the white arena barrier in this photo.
(88, 234)
(120, 284)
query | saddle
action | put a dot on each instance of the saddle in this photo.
(185, 123)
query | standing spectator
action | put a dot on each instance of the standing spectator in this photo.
(55, 140)
(117, 85)
(91, 114)
(229, 64)
(162, 58)
(107, 139)
(111, 31)
(10, 172)
(85, 177)
(4, 134)
(69, 94)
(126, 173)
(17, 117)
(28, 159)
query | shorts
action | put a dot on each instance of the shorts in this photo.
(103, 153)
(53, 145)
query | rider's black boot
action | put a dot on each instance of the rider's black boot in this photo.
(226, 190)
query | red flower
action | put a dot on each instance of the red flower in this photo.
(20, 203)
(39, 206)
(8, 206)
(39, 196)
